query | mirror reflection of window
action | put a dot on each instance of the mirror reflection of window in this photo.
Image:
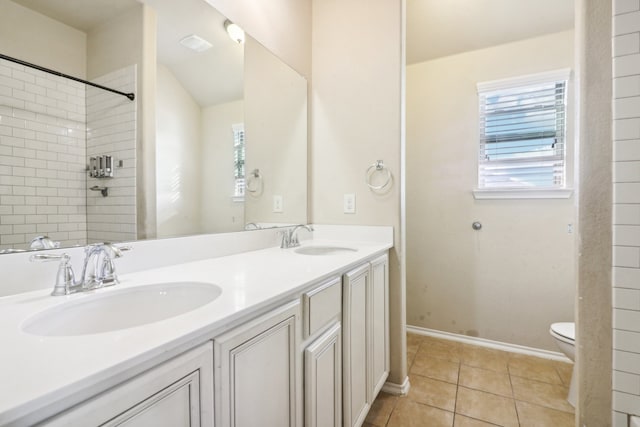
(238, 159)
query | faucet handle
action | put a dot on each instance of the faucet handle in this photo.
(108, 268)
(65, 278)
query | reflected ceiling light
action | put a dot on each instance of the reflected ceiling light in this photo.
(196, 43)
(235, 32)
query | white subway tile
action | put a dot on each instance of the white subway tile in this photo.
(46, 210)
(626, 382)
(11, 219)
(627, 320)
(628, 150)
(10, 101)
(620, 419)
(6, 229)
(31, 163)
(625, 6)
(11, 82)
(26, 172)
(12, 121)
(625, 256)
(6, 91)
(46, 82)
(625, 277)
(46, 228)
(11, 161)
(12, 141)
(24, 191)
(626, 65)
(12, 239)
(626, 44)
(24, 229)
(24, 210)
(22, 76)
(626, 235)
(626, 340)
(625, 402)
(624, 108)
(626, 86)
(24, 152)
(47, 192)
(626, 23)
(35, 219)
(628, 299)
(23, 133)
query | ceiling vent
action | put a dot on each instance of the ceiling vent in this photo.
(196, 43)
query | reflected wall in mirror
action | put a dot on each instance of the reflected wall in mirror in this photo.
(187, 173)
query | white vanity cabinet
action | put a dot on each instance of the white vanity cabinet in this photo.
(177, 393)
(322, 308)
(258, 371)
(365, 322)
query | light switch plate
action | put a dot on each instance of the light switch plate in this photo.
(349, 203)
(277, 204)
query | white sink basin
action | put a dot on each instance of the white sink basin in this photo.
(121, 309)
(323, 250)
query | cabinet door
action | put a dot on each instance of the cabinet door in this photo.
(355, 315)
(174, 394)
(258, 371)
(323, 380)
(379, 323)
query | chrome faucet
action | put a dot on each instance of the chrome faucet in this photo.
(290, 236)
(43, 242)
(98, 269)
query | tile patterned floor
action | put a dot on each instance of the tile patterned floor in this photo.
(461, 385)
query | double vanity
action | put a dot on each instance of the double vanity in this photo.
(267, 337)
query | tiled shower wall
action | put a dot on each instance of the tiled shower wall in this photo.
(49, 126)
(626, 222)
(42, 157)
(111, 130)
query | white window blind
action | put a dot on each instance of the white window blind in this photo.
(522, 132)
(238, 159)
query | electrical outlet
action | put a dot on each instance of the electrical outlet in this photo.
(277, 204)
(569, 228)
(349, 203)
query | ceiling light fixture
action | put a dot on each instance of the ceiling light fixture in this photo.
(235, 32)
(196, 43)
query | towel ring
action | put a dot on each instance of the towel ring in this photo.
(254, 181)
(378, 166)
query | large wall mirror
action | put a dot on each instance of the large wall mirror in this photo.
(215, 140)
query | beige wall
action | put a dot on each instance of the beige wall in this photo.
(220, 213)
(356, 115)
(178, 154)
(36, 38)
(282, 26)
(275, 103)
(594, 326)
(130, 39)
(511, 280)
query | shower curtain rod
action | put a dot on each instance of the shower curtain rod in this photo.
(131, 96)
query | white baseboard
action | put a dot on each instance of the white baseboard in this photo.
(397, 389)
(482, 342)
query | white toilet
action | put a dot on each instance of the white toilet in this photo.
(564, 334)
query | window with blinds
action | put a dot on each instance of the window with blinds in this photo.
(522, 132)
(238, 159)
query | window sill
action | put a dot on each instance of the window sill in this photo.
(556, 193)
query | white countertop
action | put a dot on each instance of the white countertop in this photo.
(46, 373)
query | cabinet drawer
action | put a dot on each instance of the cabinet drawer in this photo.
(322, 305)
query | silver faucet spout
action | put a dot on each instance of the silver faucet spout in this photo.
(290, 236)
(98, 269)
